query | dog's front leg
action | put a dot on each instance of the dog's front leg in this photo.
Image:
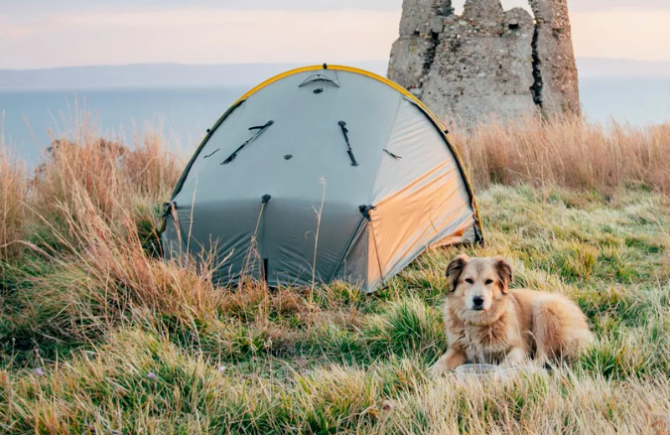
(454, 357)
(515, 357)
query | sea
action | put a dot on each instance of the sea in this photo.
(30, 119)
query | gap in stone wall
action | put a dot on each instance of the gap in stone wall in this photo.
(538, 82)
(507, 5)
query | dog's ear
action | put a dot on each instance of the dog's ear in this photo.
(455, 269)
(504, 270)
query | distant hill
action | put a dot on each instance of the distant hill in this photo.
(153, 75)
(244, 75)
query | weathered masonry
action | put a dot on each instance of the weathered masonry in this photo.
(487, 62)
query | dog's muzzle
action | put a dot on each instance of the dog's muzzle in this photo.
(478, 303)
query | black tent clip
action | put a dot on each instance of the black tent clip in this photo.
(392, 155)
(168, 207)
(210, 155)
(260, 129)
(266, 198)
(365, 211)
(345, 132)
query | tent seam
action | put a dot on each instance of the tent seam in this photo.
(347, 248)
(374, 183)
(379, 263)
(386, 143)
(459, 162)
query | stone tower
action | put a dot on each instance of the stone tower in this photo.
(487, 62)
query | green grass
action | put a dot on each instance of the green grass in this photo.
(332, 360)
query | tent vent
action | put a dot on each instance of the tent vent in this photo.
(345, 132)
(260, 128)
(319, 77)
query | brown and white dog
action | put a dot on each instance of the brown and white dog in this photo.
(487, 322)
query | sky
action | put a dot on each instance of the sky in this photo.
(48, 33)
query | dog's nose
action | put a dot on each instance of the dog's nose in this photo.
(478, 302)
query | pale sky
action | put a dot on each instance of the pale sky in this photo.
(48, 33)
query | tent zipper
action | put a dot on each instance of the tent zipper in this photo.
(345, 132)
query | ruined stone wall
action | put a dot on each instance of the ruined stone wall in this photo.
(487, 62)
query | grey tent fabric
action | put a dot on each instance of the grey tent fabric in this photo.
(321, 174)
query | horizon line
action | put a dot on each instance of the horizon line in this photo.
(305, 63)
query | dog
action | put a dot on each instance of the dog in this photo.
(487, 322)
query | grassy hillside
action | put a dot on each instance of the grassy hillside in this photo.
(99, 336)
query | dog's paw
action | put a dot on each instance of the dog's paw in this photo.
(438, 370)
(516, 358)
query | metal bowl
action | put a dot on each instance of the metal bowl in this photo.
(484, 371)
(477, 369)
(470, 371)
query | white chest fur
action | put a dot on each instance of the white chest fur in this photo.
(482, 351)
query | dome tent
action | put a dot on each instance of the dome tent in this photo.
(322, 173)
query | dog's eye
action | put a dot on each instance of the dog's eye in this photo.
(489, 281)
(469, 281)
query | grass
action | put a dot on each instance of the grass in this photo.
(99, 336)
(13, 194)
(568, 152)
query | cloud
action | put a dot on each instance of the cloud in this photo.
(42, 6)
(9, 30)
(199, 36)
(585, 5)
(622, 33)
(604, 5)
(305, 5)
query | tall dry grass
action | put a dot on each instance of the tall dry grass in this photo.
(105, 276)
(90, 207)
(13, 196)
(567, 152)
(117, 180)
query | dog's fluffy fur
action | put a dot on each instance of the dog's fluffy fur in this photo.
(487, 322)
